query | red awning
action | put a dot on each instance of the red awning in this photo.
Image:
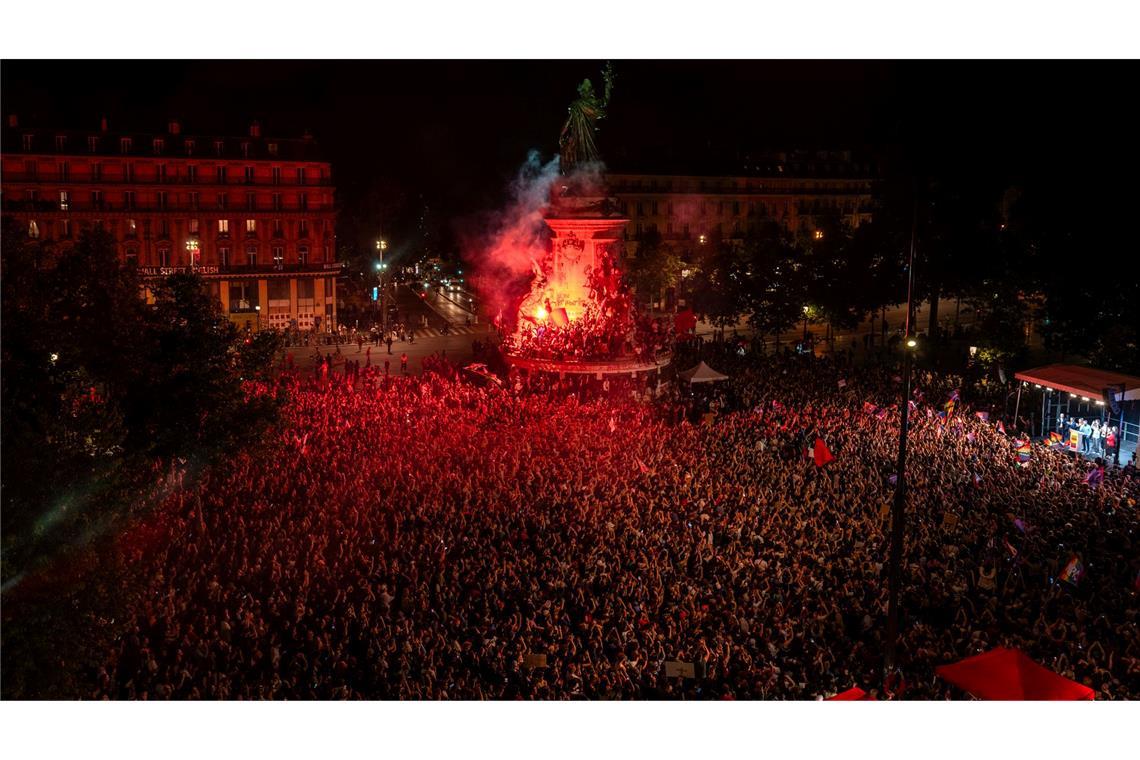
(1007, 674)
(854, 694)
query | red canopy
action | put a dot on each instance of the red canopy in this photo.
(854, 694)
(1008, 674)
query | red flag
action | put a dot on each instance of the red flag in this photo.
(822, 454)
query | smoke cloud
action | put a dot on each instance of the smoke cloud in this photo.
(509, 244)
(507, 247)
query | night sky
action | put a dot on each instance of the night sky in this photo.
(451, 134)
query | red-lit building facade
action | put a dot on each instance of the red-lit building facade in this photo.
(253, 215)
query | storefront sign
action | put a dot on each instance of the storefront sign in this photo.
(167, 271)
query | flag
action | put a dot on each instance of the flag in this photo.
(869, 408)
(970, 436)
(823, 455)
(1020, 524)
(641, 466)
(954, 396)
(1010, 547)
(983, 416)
(882, 413)
(1054, 438)
(893, 479)
(1024, 452)
(842, 383)
(949, 407)
(1096, 477)
(1073, 571)
(977, 479)
(1001, 427)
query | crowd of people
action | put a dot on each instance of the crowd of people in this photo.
(403, 537)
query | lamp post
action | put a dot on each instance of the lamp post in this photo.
(805, 325)
(381, 246)
(258, 310)
(898, 510)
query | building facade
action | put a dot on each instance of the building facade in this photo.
(253, 215)
(792, 191)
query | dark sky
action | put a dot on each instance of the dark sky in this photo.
(455, 132)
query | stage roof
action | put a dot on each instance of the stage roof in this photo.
(1081, 381)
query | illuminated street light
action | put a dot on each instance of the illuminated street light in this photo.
(911, 343)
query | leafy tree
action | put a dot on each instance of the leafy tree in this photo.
(720, 284)
(775, 294)
(654, 267)
(97, 383)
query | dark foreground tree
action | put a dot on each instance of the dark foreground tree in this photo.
(98, 385)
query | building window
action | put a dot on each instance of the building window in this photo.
(129, 199)
(251, 256)
(222, 200)
(277, 175)
(250, 201)
(97, 172)
(249, 175)
(97, 199)
(245, 150)
(278, 256)
(30, 169)
(219, 147)
(300, 176)
(63, 169)
(303, 255)
(161, 172)
(272, 149)
(33, 230)
(164, 257)
(278, 228)
(194, 201)
(243, 295)
(250, 226)
(303, 202)
(161, 197)
(93, 144)
(132, 258)
(194, 253)
(305, 292)
(60, 143)
(189, 144)
(192, 225)
(224, 255)
(124, 145)
(164, 228)
(277, 201)
(303, 228)
(192, 173)
(132, 228)
(28, 142)
(159, 146)
(129, 172)
(223, 226)
(65, 228)
(220, 173)
(64, 201)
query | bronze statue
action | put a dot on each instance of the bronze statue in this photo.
(577, 139)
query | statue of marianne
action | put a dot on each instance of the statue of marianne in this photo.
(577, 139)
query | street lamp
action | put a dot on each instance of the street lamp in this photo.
(258, 310)
(898, 509)
(381, 246)
(806, 310)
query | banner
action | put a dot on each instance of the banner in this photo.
(823, 455)
(1073, 571)
(1074, 439)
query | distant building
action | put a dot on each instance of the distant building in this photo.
(796, 190)
(253, 215)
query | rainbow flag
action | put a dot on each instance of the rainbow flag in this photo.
(1000, 427)
(983, 416)
(1073, 571)
(1024, 452)
(1054, 438)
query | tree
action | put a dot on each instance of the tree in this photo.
(719, 289)
(97, 384)
(775, 294)
(654, 267)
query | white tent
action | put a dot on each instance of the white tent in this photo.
(702, 373)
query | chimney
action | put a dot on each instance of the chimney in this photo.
(255, 129)
(173, 127)
(103, 124)
(13, 120)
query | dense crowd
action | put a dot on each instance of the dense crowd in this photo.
(409, 537)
